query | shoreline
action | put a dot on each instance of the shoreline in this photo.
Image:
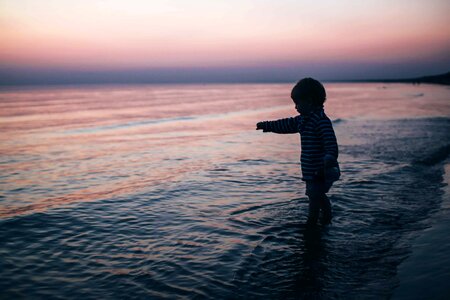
(426, 272)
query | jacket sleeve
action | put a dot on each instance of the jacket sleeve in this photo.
(326, 133)
(283, 126)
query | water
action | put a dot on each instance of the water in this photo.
(167, 191)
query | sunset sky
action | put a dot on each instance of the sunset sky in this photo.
(47, 40)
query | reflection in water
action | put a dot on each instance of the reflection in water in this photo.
(169, 192)
(310, 282)
(60, 142)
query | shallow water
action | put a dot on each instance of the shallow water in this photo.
(169, 192)
(425, 273)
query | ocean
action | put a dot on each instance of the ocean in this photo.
(169, 192)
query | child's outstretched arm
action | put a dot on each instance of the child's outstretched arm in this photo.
(287, 125)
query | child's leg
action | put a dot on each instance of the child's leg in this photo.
(325, 204)
(326, 210)
(314, 210)
(316, 191)
(313, 191)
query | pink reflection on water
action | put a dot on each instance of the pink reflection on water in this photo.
(66, 145)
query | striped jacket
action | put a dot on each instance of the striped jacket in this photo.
(318, 141)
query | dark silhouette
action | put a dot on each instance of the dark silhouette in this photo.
(443, 79)
(319, 149)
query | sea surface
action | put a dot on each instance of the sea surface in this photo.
(169, 192)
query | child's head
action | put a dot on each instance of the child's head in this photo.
(308, 94)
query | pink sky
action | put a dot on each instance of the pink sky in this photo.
(113, 34)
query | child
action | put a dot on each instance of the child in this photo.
(318, 144)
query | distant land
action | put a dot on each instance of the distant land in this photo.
(433, 79)
(10, 77)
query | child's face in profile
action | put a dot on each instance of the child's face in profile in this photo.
(303, 107)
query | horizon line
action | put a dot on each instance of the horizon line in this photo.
(441, 78)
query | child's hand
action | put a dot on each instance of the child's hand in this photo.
(331, 170)
(260, 125)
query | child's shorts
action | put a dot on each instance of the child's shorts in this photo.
(317, 187)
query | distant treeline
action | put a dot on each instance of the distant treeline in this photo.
(435, 79)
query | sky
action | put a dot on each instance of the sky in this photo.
(46, 41)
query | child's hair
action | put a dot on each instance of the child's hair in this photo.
(309, 88)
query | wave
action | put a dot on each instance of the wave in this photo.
(416, 95)
(96, 129)
(434, 157)
(128, 124)
(338, 120)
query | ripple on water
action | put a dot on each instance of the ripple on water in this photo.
(235, 227)
(176, 242)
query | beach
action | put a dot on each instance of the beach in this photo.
(168, 191)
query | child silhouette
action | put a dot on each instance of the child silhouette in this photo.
(319, 149)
